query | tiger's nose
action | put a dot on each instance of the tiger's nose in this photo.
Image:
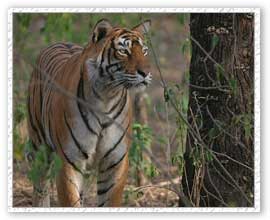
(141, 73)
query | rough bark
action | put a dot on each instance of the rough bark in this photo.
(221, 110)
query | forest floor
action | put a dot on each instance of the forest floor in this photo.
(150, 195)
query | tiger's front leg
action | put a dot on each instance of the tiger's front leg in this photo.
(68, 183)
(110, 184)
(112, 173)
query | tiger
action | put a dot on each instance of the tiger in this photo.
(79, 105)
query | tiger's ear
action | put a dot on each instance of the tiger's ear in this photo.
(144, 27)
(101, 29)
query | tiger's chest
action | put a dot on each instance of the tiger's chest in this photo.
(103, 137)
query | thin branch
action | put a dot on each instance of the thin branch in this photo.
(235, 161)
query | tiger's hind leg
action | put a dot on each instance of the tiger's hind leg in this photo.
(110, 184)
(68, 183)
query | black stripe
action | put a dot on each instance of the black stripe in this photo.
(78, 145)
(103, 191)
(116, 104)
(67, 159)
(109, 55)
(53, 65)
(108, 67)
(107, 124)
(103, 181)
(41, 128)
(102, 57)
(69, 45)
(50, 134)
(86, 121)
(48, 50)
(122, 107)
(116, 144)
(96, 93)
(31, 120)
(83, 116)
(121, 44)
(80, 92)
(112, 44)
(56, 67)
(39, 125)
(102, 204)
(53, 56)
(101, 71)
(40, 92)
(114, 164)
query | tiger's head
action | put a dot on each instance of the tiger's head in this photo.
(121, 58)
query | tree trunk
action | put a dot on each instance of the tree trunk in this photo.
(219, 158)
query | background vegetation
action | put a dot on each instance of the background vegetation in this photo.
(158, 156)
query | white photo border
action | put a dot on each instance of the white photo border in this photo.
(256, 12)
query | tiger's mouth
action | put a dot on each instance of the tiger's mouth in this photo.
(143, 78)
(139, 79)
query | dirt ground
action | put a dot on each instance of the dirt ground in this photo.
(173, 64)
(150, 195)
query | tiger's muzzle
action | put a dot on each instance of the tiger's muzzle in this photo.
(144, 78)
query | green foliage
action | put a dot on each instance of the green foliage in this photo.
(61, 27)
(245, 121)
(19, 146)
(215, 40)
(167, 93)
(213, 133)
(142, 139)
(196, 156)
(178, 160)
(186, 47)
(44, 164)
(20, 112)
(184, 104)
(219, 73)
(183, 18)
(208, 156)
(233, 86)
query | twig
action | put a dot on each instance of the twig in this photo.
(236, 161)
(206, 53)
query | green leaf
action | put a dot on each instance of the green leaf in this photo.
(181, 19)
(215, 40)
(136, 126)
(247, 126)
(162, 139)
(219, 72)
(166, 95)
(208, 156)
(213, 132)
(186, 46)
(233, 85)
(185, 101)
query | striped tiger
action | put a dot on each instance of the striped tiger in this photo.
(79, 106)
